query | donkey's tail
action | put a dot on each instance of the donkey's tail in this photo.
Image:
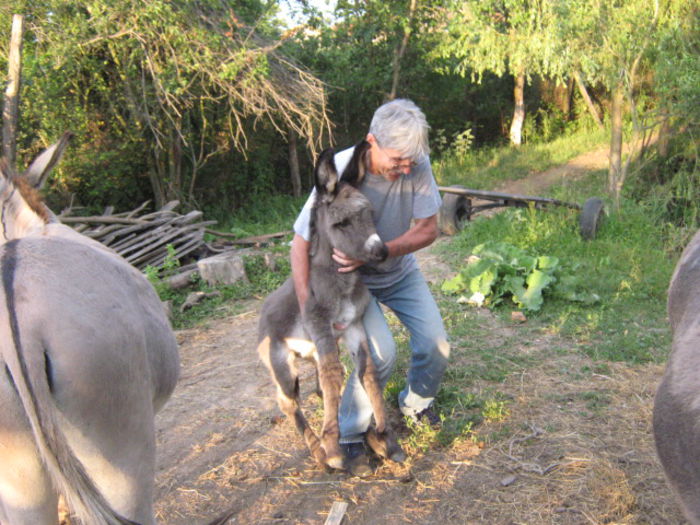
(65, 469)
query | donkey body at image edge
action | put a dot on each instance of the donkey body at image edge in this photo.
(677, 401)
(341, 218)
(87, 356)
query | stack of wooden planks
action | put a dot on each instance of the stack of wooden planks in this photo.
(143, 238)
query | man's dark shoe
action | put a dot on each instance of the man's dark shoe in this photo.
(356, 459)
(429, 416)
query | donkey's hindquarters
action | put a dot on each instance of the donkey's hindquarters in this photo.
(341, 219)
(87, 357)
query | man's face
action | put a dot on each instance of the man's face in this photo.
(388, 162)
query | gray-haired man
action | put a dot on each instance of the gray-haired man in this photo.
(405, 200)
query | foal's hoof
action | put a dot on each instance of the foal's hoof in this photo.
(335, 462)
(398, 455)
(385, 446)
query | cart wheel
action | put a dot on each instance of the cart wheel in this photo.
(454, 212)
(591, 218)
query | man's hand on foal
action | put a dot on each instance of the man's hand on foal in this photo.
(346, 263)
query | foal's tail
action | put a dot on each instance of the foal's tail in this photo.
(65, 469)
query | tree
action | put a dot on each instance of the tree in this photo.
(401, 49)
(504, 37)
(11, 104)
(183, 82)
(677, 73)
(375, 50)
(617, 43)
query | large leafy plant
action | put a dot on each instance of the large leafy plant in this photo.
(497, 271)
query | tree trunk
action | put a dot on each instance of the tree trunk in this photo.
(516, 127)
(175, 165)
(587, 99)
(558, 94)
(615, 169)
(664, 136)
(567, 95)
(294, 164)
(157, 176)
(400, 51)
(10, 113)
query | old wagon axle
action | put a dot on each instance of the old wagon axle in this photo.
(458, 207)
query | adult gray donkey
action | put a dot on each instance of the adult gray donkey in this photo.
(342, 219)
(677, 401)
(87, 357)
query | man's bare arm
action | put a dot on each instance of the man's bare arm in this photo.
(299, 256)
(421, 234)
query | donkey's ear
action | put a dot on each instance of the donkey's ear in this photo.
(355, 171)
(37, 172)
(325, 174)
(5, 172)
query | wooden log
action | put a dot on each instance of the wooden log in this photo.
(143, 238)
(98, 219)
(249, 240)
(151, 241)
(159, 258)
(182, 279)
(133, 231)
(133, 212)
(337, 512)
(154, 237)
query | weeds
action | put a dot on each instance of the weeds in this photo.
(626, 266)
(157, 276)
(497, 270)
(262, 279)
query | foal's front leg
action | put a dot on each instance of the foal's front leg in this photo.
(330, 376)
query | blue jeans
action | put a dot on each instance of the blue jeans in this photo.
(414, 305)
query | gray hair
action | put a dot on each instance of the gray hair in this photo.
(401, 125)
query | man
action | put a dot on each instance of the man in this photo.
(405, 200)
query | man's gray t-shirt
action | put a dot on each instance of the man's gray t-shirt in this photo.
(394, 204)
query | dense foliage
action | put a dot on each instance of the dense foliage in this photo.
(158, 92)
(203, 101)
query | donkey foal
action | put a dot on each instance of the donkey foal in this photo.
(342, 219)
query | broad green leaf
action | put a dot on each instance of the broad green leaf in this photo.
(455, 285)
(547, 263)
(501, 270)
(532, 298)
(514, 285)
(482, 282)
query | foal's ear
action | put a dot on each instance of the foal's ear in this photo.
(357, 167)
(325, 174)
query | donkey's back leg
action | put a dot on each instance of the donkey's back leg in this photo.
(27, 496)
(280, 361)
(112, 435)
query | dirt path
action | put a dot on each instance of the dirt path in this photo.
(223, 447)
(576, 168)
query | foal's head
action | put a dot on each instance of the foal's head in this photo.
(342, 215)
